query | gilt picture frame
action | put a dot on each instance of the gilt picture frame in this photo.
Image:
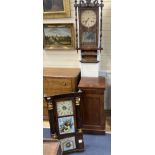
(58, 36)
(56, 8)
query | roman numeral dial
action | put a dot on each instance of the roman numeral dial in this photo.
(88, 18)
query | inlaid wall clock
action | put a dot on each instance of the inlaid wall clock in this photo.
(65, 121)
(88, 28)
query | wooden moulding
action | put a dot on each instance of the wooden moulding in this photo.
(51, 147)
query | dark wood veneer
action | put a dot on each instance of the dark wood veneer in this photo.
(92, 104)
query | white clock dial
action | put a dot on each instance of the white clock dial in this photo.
(64, 108)
(88, 18)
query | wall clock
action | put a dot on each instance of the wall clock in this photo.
(88, 15)
(65, 121)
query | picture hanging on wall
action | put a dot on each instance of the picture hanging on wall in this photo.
(56, 8)
(58, 36)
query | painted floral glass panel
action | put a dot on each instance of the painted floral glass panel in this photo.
(68, 143)
(66, 125)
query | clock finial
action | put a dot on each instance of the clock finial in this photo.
(88, 1)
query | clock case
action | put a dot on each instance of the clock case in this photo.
(54, 124)
(88, 50)
(85, 46)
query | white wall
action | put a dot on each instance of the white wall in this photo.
(105, 63)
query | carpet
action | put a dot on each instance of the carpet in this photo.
(94, 144)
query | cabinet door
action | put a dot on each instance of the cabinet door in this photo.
(92, 109)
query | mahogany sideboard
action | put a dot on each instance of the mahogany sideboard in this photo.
(92, 104)
(57, 81)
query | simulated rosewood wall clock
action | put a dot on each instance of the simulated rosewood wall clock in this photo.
(88, 15)
(65, 122)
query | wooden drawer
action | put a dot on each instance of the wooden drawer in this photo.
(54, 85)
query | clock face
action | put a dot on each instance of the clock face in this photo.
(88, 18)
(64, 108)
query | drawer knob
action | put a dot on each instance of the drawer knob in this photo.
(64, 84)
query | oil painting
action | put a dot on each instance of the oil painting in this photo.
(53, 5)
(56, 8)
(58, 36)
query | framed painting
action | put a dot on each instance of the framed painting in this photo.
(56, 8)
(58, 36)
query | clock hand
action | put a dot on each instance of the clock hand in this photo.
(87, 20)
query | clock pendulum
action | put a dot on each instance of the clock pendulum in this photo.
(88, 29)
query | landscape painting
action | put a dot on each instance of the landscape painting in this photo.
(58, 36)
(53, 5)
(56, 8)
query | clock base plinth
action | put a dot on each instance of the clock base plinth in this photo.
(89, 61)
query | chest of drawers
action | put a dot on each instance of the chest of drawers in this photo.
(57, 81)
